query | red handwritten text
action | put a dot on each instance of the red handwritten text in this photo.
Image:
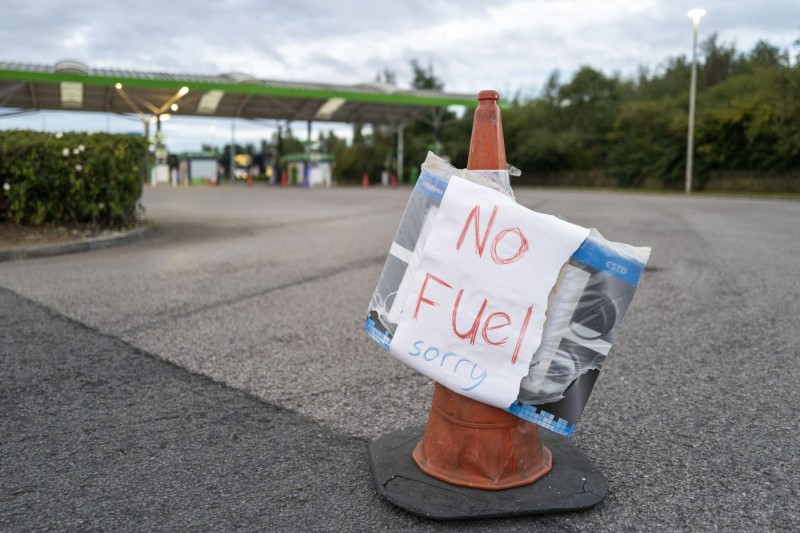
(474, 218)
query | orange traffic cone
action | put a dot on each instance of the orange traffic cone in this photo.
(365, 180)
(466, 442)
(469, 450)
(393, 181)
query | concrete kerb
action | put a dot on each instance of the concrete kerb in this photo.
(84, 245)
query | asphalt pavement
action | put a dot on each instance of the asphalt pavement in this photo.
(216, 375)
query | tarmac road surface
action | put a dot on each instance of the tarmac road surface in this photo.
(216, 375)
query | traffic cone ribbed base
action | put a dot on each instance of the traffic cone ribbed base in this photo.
(472, 444)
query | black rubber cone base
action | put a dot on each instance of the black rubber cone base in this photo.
(573, 483)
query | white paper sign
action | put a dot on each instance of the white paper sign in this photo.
(476, 307)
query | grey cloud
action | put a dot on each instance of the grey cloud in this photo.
(249, 35)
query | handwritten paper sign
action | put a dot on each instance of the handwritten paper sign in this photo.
(474, 313)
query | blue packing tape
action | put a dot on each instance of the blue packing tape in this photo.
(431, 186)
(601, 257)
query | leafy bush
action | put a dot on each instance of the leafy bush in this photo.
(74, 179)
(648, 143)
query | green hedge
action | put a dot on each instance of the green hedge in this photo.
(77, 179)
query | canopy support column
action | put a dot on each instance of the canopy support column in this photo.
(400, 149)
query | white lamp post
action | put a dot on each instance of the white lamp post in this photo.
(695, 15)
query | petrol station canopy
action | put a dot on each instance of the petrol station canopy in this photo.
(73, 86)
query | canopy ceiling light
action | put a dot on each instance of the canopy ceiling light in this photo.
(329, 108)
(71, 94)
(209, 102)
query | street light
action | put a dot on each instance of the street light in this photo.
(695, 15)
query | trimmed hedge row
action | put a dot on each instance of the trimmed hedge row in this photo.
(76, 179)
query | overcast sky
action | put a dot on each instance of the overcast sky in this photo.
(507, 45)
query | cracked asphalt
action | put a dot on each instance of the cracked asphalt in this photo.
(216, 375)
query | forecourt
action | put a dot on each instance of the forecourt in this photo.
(216, 374)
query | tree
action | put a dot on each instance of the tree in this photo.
(768, 56)
(648, 141)
(365, 156)
(425, 133)
(751, 122)
(551, 88)
(671, 79)
(388, 77)
(424, 78)
(588, 105)
(720, 60)
(748, 120)
(289, 144)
